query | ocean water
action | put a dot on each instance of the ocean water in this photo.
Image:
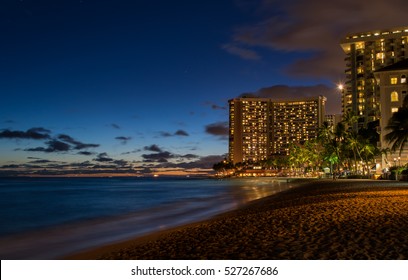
(47, 218)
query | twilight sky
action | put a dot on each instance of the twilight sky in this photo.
(144, 84)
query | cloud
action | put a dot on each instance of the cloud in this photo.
(121, 162)
(85, 153)
(12, 166)
(165, 134)
(161, 156)
(181, 132)
(189, 156)
(283, 92)
(103, 157)
(57, 146)
(215, 106)
(115, 126)
(104, 166)
(35, 133)
(158, 157)
(53, 146)
(241, 51)
(41, 161)
(153, 148)
(205, 162)
(316, 27)
(77, 145)
(82, 164)
(132, 152)
(48, 167)
(220, 129)
(123, 139)
(63, 143)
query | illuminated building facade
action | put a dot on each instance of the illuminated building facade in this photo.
(365, 53)
(332, 120)
(249, 129)
(393, 88)
(261, 127)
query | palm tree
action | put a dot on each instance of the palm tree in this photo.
(315, 151)
(398, 126)
(296, 156)
(325, 133)
(349, 121)
(332, 139)
(368, 151)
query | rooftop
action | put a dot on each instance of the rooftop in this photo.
(376, 33)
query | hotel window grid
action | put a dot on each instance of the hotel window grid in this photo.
(366, 53)
(261, 127)
(388, 106)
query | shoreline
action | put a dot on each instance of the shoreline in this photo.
(322, 219)
(57, 241)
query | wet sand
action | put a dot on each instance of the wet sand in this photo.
(343, 219)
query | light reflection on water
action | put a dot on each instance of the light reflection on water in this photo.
(219, 196)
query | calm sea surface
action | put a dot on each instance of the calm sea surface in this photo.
(46, 218)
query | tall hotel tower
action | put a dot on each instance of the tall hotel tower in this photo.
(365, 53)
(261, 127)
(393, 87)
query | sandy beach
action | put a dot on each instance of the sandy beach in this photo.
(323, 219)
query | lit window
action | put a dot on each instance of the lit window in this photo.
(394, 96)
(394, 110)
(394, 80)
(403, 79)
(380, 56)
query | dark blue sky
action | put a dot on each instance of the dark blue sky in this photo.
(145, 84)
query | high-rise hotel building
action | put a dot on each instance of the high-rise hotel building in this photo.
(365, 53)
(261, 127)
(249, 124)
(393, 87)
